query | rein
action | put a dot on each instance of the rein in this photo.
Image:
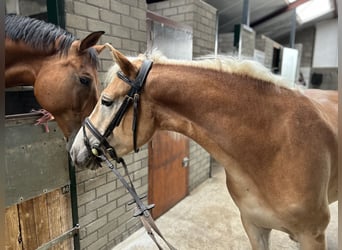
(133, 95)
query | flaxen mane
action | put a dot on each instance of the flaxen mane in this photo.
(41, 35)
(231, 65)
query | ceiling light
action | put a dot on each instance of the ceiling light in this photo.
(313, 9)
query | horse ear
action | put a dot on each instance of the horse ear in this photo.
(99, 48)
(125, 65)
(90, 40)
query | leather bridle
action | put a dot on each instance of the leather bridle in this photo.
(133, 96)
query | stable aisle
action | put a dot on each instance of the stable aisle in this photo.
(208, 219)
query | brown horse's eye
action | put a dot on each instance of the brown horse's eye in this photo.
(85, 81)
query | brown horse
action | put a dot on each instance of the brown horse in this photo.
(278, 146)
(62, 70)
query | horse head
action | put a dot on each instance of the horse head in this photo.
(111, 119)
(67, 85)
(62, 69)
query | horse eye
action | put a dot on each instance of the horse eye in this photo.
(85, 81)
(106, 102)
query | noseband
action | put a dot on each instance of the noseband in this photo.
(133, 96)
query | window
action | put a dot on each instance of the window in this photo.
(312, 9)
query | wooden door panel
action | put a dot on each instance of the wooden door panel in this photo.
(34, 222)
(12, 229)
(27, 225)
(168, 179)
(40, 215)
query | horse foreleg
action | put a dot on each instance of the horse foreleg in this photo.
(312, 242)
(258, 236)
(312, 235)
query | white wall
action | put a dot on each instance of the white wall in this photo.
(326, 45)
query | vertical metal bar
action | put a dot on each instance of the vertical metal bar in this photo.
(74, 206)
(2, 123)
(56, 14)
(240, 41)
(293, 28)
(17, 7)
(216, 33)
(245, 12)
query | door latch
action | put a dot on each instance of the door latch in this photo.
(185, 162)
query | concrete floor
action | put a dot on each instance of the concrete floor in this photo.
(208, 219)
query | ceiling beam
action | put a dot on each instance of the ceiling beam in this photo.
(278, 12)
(229, 7)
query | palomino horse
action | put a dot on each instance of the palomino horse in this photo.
(62, 70)
(278, 146)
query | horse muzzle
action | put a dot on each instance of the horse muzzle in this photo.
(83, 156)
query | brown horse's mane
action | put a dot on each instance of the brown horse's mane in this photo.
(41, 36)
(243, 67)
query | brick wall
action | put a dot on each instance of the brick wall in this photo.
(306, 37)
(247, 42)
(195, 13)
(265, 44)
(329, 78)
(226, 44)
(199, 165)
(104, 216)
(123, 21)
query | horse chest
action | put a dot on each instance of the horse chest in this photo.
(250, 200)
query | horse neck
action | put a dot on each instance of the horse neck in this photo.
(22, 64)
(218, 110)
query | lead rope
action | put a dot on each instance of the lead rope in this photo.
(141, 210)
